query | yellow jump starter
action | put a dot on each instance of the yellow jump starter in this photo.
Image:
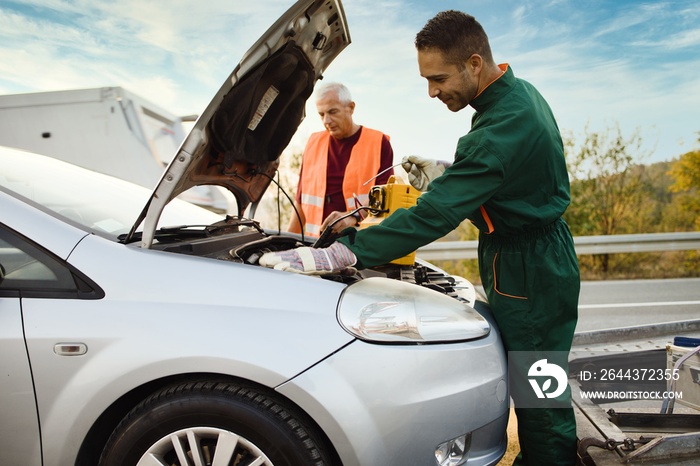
(384, 200)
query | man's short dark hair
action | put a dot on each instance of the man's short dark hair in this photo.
(457, 35)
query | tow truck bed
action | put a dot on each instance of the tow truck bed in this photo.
(614, 432)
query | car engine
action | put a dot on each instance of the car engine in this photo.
(244, 241)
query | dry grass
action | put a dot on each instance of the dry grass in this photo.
(513, 445)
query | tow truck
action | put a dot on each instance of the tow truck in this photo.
(611, 371)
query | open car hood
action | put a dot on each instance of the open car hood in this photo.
(237, 141)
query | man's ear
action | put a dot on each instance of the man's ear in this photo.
(475, 63)
(351, 106)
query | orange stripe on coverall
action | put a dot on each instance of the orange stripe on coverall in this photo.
(495, 284)
(486, 219)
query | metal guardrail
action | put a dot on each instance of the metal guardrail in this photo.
(610, 244)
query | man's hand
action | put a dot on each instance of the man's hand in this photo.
(422, 171)
(341, 224)
(310, 261)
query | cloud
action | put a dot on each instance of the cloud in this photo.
(592, 61)
(681, 40)
(630, 17)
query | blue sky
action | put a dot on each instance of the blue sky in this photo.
(598, 62)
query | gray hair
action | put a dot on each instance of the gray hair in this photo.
(339, 89)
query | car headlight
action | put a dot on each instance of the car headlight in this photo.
(391, 311)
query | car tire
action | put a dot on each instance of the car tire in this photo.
(241, 423)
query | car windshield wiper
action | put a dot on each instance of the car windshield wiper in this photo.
(170, 234)
(185, 232)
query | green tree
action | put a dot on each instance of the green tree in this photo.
(608, 183)
(686, 183)
(686, 172)
(651, 216)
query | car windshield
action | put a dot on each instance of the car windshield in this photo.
(90, 199)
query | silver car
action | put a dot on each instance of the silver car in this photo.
(162, 342)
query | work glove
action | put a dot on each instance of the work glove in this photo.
(422, 171)
(312, 261)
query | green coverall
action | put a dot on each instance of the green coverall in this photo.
(509, 178)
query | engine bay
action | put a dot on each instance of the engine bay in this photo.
(241, 240)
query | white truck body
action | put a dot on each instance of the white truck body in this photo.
(108, 130)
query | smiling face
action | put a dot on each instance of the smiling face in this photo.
(455, 87)
(336, 116)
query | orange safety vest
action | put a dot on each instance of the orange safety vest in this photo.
(364, 163)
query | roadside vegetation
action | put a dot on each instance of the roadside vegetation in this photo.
(614, 192)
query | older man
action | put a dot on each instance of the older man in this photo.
(336, 165)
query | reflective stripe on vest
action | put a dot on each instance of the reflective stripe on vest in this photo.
(312, 200)
(365, 160)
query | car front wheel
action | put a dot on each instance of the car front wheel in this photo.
(215, 423)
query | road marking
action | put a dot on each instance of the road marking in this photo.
(670, 303)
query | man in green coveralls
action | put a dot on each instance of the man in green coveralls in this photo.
(509, 178)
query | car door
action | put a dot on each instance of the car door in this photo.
(19, 423)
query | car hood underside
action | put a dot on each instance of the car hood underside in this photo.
(237, 141)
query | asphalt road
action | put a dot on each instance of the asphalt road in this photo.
(628, 303)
